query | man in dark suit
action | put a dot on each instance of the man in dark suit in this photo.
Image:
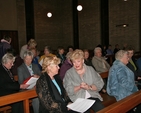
(26, 70)
(7, 83)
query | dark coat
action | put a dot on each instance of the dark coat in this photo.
(4, 46)
(7, 85)
(49, 97)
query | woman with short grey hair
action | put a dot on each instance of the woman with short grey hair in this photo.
(120, 54)
(28, 53)
(121, 79)
(7, 57)
(7, 83)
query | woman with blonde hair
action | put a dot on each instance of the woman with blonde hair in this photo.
(51, 93)
(82, 81)
(31, 44)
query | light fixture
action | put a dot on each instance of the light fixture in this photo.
(49, 14)
(79, 8)
(122, 25)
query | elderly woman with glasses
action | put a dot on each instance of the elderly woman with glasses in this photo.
(7, 83)
(121, 79)
(51, 93)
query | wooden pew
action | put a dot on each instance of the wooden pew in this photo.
(124, 105)
(110, 59)
(7, 109)
(107, 99)
(24, 96)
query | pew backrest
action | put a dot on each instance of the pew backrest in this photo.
(123, 105)
(104, 74)
(24, 96)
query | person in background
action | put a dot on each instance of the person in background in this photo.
(104, 51)
(35, 59)
(100, 64)
(51, 93)
(109, 50)
(82, 81)
(61, 55)
(121, 79)
(5, 45)
(47, 52)
(125, 46)
(70, 48)
(31, 44)
(26, 70)
(87, 59)
(133, 66)
(65, 66)
(116, 48)
(18, 61)
(7, 83)
(38, 54)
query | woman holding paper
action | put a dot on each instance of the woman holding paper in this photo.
(27, 70)
(51, 93)
(83, 81)
(7, 83)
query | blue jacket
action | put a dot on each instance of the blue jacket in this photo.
(120, 81)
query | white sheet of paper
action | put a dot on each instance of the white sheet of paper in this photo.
(81, 105)
(87, 95)
(32, 82)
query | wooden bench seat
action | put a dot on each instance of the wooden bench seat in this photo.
(124, 105)
(5, 109)
(24, 96)
(107, 99)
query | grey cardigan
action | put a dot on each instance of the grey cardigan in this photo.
(23, 72)
(91, 77)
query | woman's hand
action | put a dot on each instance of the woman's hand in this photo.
(36, 76)
(84, 85)
(68, 104)
(24, 86)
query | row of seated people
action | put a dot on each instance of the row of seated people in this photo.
(89, 81)
(85, 86)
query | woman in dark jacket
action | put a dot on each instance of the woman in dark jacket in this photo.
(52, 95)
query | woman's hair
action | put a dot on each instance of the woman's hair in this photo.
(48, 48)
(120, 54)
(32, 43)
(97, 48)
(60, 48)
(48, 60)
(68, 55)
(129, 48)
(7, 38)
(77, 54)
(7, 57)
(70, 46)
(28, 53)
(85, 50)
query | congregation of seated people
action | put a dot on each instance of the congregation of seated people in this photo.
(67, 74)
